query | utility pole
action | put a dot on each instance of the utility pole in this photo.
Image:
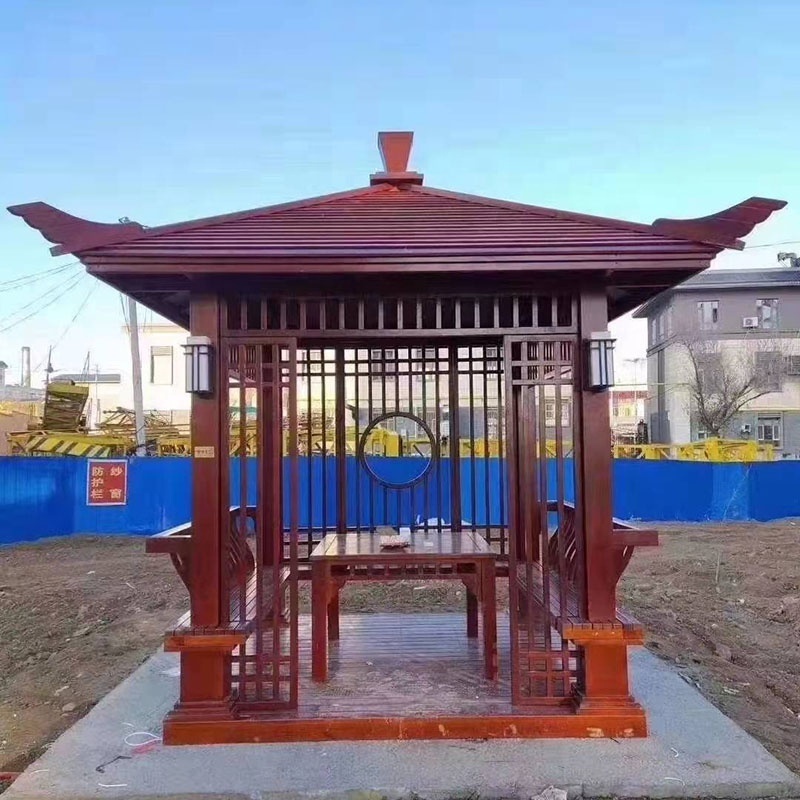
(49, 365)
(136, 365)
(26, 368)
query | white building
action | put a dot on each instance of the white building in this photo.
(163, 380)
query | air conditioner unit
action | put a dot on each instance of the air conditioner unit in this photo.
(746, 430)
(749, 322)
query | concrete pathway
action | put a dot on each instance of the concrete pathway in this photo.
(694, 751)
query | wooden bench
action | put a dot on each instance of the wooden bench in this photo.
(241, 578)
(562, 605)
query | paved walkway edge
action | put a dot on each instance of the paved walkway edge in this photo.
(694, 751)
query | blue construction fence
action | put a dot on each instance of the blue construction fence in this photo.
(42, 497)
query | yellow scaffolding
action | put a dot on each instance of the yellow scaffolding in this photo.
(712, 450)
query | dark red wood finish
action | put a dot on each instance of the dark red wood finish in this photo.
(431, 555)
(470, 312)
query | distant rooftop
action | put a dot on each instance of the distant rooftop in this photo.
(21, 393)
(92, 377)
(726, 279)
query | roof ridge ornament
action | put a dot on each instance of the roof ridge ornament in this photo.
(395, 149)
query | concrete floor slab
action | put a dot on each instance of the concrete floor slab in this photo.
(694, 751)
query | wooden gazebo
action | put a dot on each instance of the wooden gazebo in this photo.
(399, 365)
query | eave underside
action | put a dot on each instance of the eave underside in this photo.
(166, 289)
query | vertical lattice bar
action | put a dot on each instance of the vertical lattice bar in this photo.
(501, 449)
(544, 520)
(426, 508)
(487, 444)
(370, 413)
(294, 518)
(340, 441)
(562, 532)
(274, 456)
(513, 415)
(531, 522)
(262, 478)
(473, 494)
(438, 431)
(239, 541)
(309, 412)
(398, 495)
(455, 435)
(357, 415)
(323, 365)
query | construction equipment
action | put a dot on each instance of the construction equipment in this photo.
(62, 429)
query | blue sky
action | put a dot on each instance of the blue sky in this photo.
(163, 111)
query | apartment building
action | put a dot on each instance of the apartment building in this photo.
(747, 316)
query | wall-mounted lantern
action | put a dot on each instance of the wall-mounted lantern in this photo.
(199, 356)
(600, 352)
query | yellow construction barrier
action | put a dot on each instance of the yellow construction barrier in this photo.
(711, 450)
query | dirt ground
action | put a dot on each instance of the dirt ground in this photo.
(721, 602)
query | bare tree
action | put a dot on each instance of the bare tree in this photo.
(723, 377)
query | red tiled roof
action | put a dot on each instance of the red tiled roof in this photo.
(398, 219)
(394, 222)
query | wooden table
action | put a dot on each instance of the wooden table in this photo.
(339, 558)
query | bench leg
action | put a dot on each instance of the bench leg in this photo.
(472, 614)
(333, 614)
(489, 609)
(319, 621)
(606, 686)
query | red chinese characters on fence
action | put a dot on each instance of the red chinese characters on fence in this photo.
(107, 483)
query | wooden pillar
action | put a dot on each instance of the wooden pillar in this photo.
(205, 682)
(595, 467)
(207, 489)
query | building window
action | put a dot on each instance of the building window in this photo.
(769, 368)
(661, 321)
(768, 313)
(383, 362)
(423, 360)
(550, 413)
(653, 331)
(768, 430)
(709, 372)
(793, 365)
(708, 315)
(668, 314)
(161, 365)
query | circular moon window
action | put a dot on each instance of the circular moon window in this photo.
(397, 449)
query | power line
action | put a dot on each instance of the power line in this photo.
(771, 244)
(42, 308)
(27, 280)
(75, 316)
(71, 279)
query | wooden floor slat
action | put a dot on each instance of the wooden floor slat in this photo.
(401, 665)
